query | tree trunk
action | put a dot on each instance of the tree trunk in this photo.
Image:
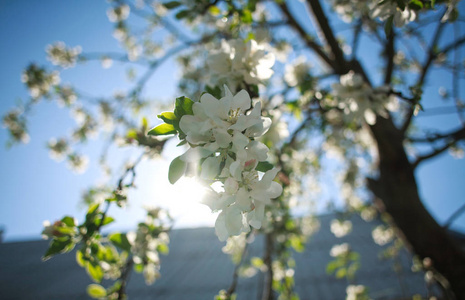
(397, 190)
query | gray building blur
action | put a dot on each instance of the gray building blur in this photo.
(196, 269)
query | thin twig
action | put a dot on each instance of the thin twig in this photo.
(305, 36)
(454, 216)
(232, 287)
(125, 278)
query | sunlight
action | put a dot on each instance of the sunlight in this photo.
(183, 202)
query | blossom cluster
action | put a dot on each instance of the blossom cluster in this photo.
(222, 132)
(239, 62)
(39, 81)
(63, 56)
(16, 126)
(341, 228)
(148, 241)
(222, 137)
(118, 13)
(358, 100)
(357, 292)
(296, 73)
(349, 10)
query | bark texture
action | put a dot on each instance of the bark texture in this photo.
(397, 189)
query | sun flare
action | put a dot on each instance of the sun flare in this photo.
(183, 201)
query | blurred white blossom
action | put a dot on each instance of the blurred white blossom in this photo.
(239, 61)
(341, 228)
(63, 56)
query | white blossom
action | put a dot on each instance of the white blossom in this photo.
(296, 72)
(39, 81)
(382, 235)
(118, 13)
(359, 101)
(338, 250)
(341, 228)
(63, 56)
(356, 292)
(78, 163)
(387, 9)
(222, 132)
(58, 149)
(238, 61)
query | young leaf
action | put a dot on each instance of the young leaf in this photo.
(177, 169)
(80, 258)
(182, 14)
(162, 129)
(120, 240)
(106, 221)
(171, 4)
(95, 271)
(246, 16)
(58, 246)
(183, 107)
(168, 117)
(415, 4)
(96, 291)
(214, 10)
(69, 221)
(264, 166)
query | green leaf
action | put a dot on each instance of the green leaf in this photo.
(246, 16)
(145, 123)
(182, 14)
(106, 221)
(163, 249)
(341, 273)
(168, 117)
(183, 107)
(120, 240)
(415, 4)
(252, 4)
(162, 129)
(80, 258)
(95, 271)
(183, 142)
(93, 208)
(132, 134)
(139, 268)
(96, 291)
(215, 91)
(388, 26)
(257, 262)
(214, 10)
(264, 166)
(58, 246)
(177, 169)
(69, 221)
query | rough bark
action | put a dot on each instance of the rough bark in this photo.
(397, 189)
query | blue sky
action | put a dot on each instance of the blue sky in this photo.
(36, 188)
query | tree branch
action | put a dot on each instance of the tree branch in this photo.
(267, 293)
(305, 37)
(340, 65)
(454, 216)
(432, 54)
(389, 52)
(232, 287)
(454, 138)
(436, 136)
(125, 278)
